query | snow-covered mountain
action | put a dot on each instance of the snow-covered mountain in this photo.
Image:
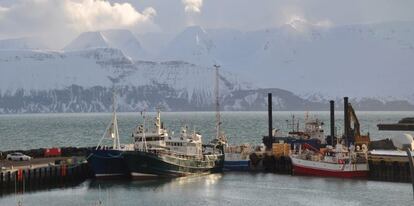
(369, 60)
(194, 44)
(119, 39)
(21, 44)
(40, 81)
(370, 63)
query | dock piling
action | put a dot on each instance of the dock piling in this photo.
(346, 121)
(269, 101)
(332, 114)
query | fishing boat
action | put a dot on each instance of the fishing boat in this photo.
(237, 157)
(181, 156)
(107, 161)
(330, 162)
(312, 133)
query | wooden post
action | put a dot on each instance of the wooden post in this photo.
(1, 180)
(56, 173)
(410, 161)
(35, 179)
(29, 177)
(9, 177)
(50, 173)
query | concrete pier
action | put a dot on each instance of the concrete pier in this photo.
(22, 180)
(70, 168)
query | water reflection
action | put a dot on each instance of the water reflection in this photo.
(224, 189)
(155, 184)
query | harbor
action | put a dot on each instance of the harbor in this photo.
(156, 153)
(205, 103)
(68, 167)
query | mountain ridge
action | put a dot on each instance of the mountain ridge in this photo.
(96, 61)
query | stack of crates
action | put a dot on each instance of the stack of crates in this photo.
(280, 149)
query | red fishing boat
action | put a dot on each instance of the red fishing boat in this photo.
(333, 162)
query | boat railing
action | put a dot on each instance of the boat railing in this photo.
(161, 151)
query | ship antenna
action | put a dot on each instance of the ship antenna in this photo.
(216, 91)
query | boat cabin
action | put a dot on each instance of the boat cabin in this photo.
(147, 138)
(186, 144)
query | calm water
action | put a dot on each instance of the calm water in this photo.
(51, 130)
(225, 189)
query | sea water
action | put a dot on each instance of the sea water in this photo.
(58, 130)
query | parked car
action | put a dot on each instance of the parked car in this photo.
(17, 156)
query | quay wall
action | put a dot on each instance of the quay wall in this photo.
(52, 176)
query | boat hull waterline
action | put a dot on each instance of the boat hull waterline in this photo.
(145, 165)
(236, 165)
(313, 168)
(107, 163)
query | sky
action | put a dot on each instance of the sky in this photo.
(62, 20)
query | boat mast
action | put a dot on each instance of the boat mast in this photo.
(111, 130)
(216, 91)
(158, 121)
(144, 139)
(115, 134)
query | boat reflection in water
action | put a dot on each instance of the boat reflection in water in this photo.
(171, 183)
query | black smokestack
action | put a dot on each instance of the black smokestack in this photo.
(269, 111)
(332, 103)
(346, 121)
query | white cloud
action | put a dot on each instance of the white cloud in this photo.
(97, 15)
(192, 6)
(62, 20)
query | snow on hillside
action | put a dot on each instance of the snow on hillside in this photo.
(21, 44)
(119, 39)
(39, 70)
(185, 77)
(355, 60)
(82, 81)
(370, 63)
(88, 40)
(193, 44)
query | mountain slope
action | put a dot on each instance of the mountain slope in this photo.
(21, 44)
(194, 44)
(369, 60)
(79, 80)
(123, 40)
(83, 81)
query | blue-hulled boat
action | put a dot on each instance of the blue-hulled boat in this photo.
(107, 161)
(237, 158)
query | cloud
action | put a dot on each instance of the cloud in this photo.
(97, 15)
(192, 6)
(192, 10)
(61, 20)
